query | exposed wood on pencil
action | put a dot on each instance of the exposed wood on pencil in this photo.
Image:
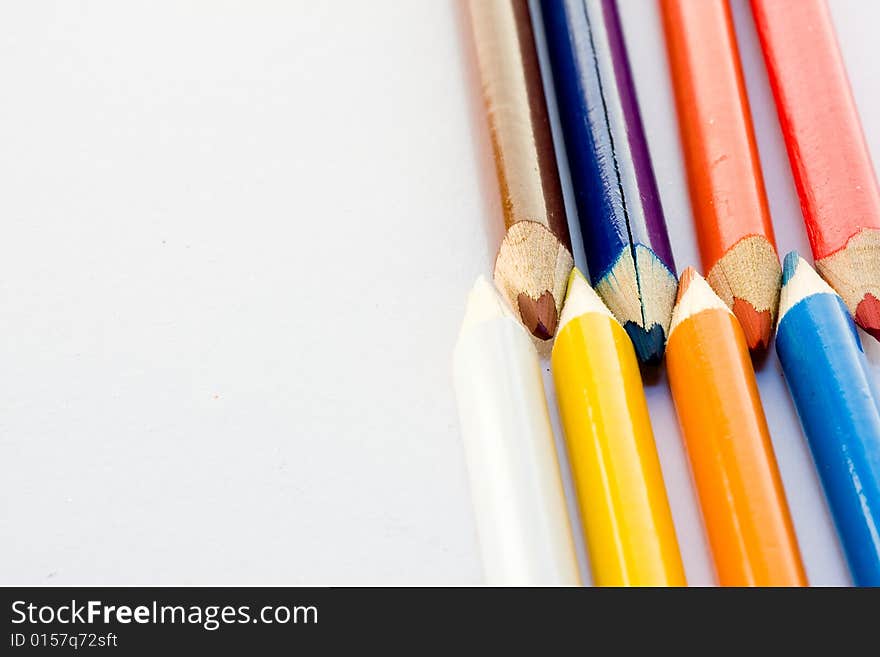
(621, 496)
(825, 368)
(727, 192)
(625, 239)
(534, 260)
(516, 487)
(829, 157)
(747, 279)
(854, 272)
(743, 504)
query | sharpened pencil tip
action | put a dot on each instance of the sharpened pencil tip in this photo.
(649, 344)
(539, 316)
(756, 326)
(868, 315)
(484, 304)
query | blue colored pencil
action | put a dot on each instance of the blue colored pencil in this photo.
(825, 368)
(628, 254)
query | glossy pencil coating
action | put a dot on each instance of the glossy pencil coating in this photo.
(825, 368)
(829, 157)
(621, 496)
(743, 504)
(732, 217)
(625, 239)
(534, 259)
(516, 486)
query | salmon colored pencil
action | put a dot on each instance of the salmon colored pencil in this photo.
(747, 521)
(827, 150)
(735, 234)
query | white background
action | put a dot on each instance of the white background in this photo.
(235, 244)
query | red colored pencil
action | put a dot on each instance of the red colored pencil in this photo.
(827, 150)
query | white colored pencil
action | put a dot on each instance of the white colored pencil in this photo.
(522, 522)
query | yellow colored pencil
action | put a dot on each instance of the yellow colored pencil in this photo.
(622, 500)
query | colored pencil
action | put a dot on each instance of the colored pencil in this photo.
(744, 509)
(735, 235)
(534, 259)
(625, 240)
(823, 362)
(522, 521)
(622, 500)
(826, 148)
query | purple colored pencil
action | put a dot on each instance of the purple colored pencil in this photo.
(621, 218)
(651, 230)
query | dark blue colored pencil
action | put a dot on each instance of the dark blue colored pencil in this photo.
(825, 368)
(625, 240)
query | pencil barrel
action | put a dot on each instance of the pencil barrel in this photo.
(829, 156)
(513, 95)
(721, 154)
(621, 219)
(621, 495)
(613, 179)
(743, 504)
(519, 504)
(825, 369)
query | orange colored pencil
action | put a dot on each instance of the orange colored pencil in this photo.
(744, 509)
(737, 246)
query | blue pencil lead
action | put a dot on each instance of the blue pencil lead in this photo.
(789, 266)
(649, 345)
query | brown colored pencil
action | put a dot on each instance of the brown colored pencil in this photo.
(534, 259)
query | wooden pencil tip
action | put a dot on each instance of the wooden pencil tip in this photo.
(640, 291)
(756, 326)
(799, 281)
(694, 296)
(539, 315)
(853, 271)
(747, 279)
(868, 315)
(580, 299)
(484, 304)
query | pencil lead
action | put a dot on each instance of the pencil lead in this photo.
(687, 277)
(539, 315)
(868, 315)
(790, 265)
(756, 326)
(649, 343)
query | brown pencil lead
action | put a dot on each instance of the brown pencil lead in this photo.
(756, 326)
(539, 315)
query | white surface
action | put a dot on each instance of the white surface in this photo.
(516, 489)
(237, 239)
